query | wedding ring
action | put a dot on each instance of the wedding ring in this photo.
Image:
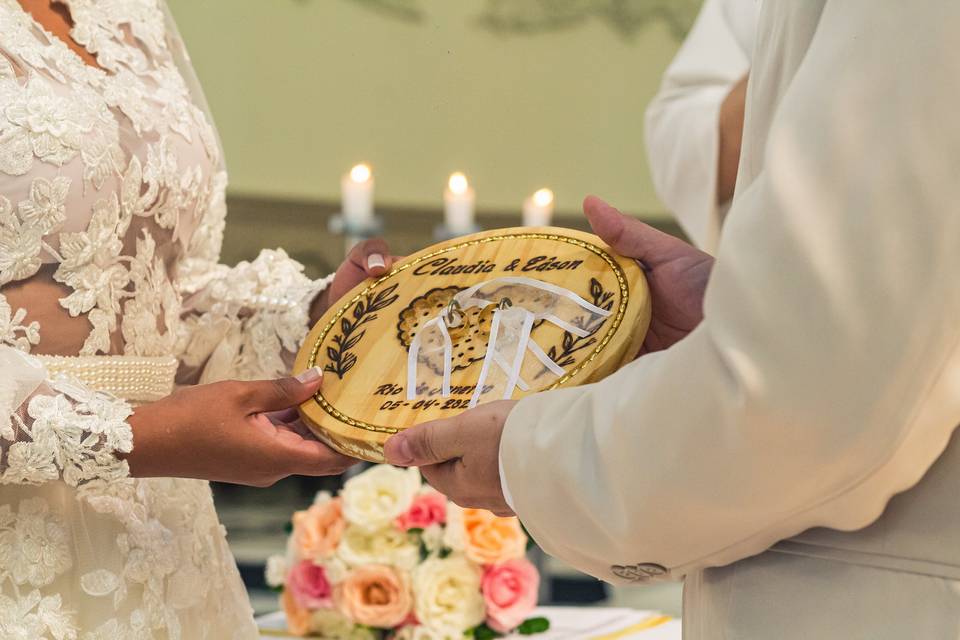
(453, 315)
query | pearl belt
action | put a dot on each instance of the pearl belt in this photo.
(136, 379)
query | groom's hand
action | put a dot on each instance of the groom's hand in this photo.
(459, 456)
(677, 273)
(368, 259)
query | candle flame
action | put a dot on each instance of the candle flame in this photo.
(458, 183)
(360, 173)
(543, 197)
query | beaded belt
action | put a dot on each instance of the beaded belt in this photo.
(133, 378)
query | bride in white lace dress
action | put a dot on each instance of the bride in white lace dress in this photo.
(111, 218)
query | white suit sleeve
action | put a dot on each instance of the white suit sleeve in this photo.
(825, 376)
(682, 121)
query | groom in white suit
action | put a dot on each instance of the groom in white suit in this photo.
(789, 390)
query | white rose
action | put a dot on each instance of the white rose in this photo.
(376, 497)
(388, 546)
(322, 498)
(454, 535)
(330, 623)
(276, 573)
(335, 569)
(432, 538)
(447, 594)
(420, 632)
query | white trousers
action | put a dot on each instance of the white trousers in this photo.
(779, 596)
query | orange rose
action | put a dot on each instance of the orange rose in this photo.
(317, 531)
(375, 595)
(489, 539)
(298, 618)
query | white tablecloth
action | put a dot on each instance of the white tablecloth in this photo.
(566, 623)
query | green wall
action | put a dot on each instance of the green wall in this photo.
(302, 89)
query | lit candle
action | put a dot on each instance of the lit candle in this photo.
(458, 201)
(538, 209)
(356, 190)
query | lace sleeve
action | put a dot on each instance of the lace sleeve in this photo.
(245, 322)
(53, 429)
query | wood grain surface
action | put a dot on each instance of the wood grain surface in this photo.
(362, 343)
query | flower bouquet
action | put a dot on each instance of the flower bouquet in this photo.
(392, 559)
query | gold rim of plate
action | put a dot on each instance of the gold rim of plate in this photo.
(332, 425)
(617, 319)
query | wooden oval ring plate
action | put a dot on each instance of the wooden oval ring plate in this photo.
(363, 341)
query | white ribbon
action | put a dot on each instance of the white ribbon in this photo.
(414, 353)
(525, 318)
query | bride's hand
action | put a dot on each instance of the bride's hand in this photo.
(368, 259)
(231, 432)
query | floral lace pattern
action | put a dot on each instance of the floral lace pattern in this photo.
(55, 441)
(112, 192)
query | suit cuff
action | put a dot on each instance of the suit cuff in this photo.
(507, 497)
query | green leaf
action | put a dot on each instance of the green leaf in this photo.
(445, 552)
(416, 530)
(532, 626)
(530, 543)
(482, 632)
(277, 589)
(288, 528)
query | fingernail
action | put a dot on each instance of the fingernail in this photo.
(397, 451)
(375, 261)
(310, 375)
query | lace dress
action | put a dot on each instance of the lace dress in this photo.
(111, 218)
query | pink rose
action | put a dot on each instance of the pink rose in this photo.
(510, 592)
(309, 586)
(428, 508)
(375, 595)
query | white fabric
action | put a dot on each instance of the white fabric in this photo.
(682, 120)
(111, 219)
(566, 623)
(825, 376)
(798, 598)
(136, 379)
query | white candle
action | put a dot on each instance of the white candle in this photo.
(356, 190)
(538, 209)
(458, 201)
